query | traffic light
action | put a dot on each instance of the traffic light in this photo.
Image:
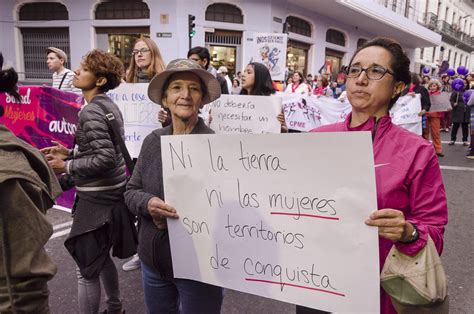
(286, 28)
(191, 25)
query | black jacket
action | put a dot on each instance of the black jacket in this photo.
(96, 160)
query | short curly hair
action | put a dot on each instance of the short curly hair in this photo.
(104, 64)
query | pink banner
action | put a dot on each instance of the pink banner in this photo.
(44, 114)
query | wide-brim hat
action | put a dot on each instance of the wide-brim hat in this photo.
(155, 89)
(61, 54)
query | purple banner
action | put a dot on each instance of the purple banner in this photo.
(44, 114)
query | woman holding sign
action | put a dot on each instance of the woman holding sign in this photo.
(184, 87)
(257, 81)
(410, 193)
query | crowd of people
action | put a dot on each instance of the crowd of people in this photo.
(409, 210)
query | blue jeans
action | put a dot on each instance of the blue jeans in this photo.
(179, 295)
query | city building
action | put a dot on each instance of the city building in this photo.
(322, 35)
(454, 20)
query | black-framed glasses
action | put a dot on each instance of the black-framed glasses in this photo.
(142, 51)
(375, 72)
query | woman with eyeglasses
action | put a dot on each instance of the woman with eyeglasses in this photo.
(411, 198)
(146, 62)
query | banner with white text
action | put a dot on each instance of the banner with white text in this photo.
(253, 220)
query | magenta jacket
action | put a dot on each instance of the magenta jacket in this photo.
(408, 178)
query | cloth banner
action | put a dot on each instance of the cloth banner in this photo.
(44, 114)
(270, 49)
(440, 102)
(244, 114)
(251, 219)
(304, 113)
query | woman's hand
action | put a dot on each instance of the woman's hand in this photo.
(422, 112)
(281, 119)
(58, 150)
(57, 163)
(159, 211)
(412, 94)
(391, 224)
(162, 115)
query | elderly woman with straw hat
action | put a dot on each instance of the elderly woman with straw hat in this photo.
(184, 87)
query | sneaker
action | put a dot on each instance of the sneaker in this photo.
(132, 264)
(465, 143)
(470, 156)
(451, 143)
(440, 154)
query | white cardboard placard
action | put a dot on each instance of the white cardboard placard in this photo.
(257, 217)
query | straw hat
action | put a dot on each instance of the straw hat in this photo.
(155, 89)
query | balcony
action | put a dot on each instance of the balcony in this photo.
(451, 34)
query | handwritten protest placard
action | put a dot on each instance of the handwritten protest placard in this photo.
(406, 110)
(245, 114)
(256, 217)
(440, 102)
(139, 112)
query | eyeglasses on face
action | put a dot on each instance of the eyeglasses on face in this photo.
(375, 72)
(142, 51)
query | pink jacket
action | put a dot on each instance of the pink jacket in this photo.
(408, 178)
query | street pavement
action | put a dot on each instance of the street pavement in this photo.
(458, 255)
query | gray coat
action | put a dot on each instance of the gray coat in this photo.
(146, 182)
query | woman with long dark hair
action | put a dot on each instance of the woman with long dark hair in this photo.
(257, 81)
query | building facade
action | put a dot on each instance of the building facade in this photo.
(454, 20)
(322, 35)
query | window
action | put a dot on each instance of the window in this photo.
(122, 9)
(335, 37)
(361, 42)
(35, 43)
(43, 11)
(298, 26)
(223, 12)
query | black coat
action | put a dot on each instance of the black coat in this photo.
(461, 111)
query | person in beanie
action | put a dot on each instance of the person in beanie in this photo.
(62, 77)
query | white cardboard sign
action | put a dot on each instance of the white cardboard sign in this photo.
(245, 114)
(140, 114)
(258, 218)
(406, 110)
(270, 50)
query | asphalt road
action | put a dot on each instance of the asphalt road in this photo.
(458, 255)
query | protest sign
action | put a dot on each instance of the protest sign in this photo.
(253, 220)
(140, 114)
(440, 102)
(406, 110)
(44, 114)
(270, 49)
(245, 114)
